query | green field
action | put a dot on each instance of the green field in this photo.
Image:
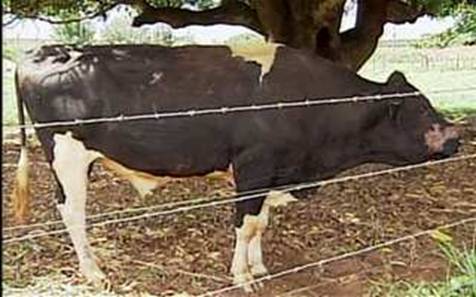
(431, 70)
(428, 69)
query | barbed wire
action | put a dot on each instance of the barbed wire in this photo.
(307, 102)
(131, 210)
(111, 213)
(259, 193)
(338, 257)
(233, 109)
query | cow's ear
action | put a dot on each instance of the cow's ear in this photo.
(397, 79)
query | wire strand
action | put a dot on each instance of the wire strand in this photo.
(297, 269)
(221, 110)
(233, 109)
(111, 213)
(261, 193)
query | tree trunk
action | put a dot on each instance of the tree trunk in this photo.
(314, 25)
(305, 24)
(311, 25)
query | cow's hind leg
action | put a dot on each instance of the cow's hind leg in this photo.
(71, 161)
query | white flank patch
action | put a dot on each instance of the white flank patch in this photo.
(144, 183)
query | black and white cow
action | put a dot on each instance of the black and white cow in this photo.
(265, 148)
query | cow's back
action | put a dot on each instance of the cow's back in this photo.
(61, 83)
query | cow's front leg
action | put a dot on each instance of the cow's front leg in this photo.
(249, 216)
(248, 257)
(239, 266)
(255, 253)
(71, 162)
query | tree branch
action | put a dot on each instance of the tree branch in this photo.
(399, 12)
(359, 43)
(100, 12)
(232, 12)
(10, 21)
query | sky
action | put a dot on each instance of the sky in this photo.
(219, 33)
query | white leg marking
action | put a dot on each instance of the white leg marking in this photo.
(278, 198)
(255, 255)
(239, 266)
(71, 161)
(248, 255)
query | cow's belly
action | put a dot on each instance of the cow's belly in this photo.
(159, 162)
(163, 150)
(145, 173)
(145, 183)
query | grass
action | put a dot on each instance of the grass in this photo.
(428, 69)
(460, 282)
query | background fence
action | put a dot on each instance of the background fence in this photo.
(429, 69)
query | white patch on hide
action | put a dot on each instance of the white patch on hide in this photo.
(71, 163)
(239, 265)
(155, 78)
(144, 183)
(248, 255)
(263, 55)
(278, 198)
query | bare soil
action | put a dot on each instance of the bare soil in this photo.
(191, 251)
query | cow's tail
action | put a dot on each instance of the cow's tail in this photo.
(20, 195)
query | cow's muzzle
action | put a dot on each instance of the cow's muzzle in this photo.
(442, 141)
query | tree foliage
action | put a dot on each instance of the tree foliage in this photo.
(56, 11)
(313, 25)
(119, 31)
(462, 33)
(64, 11)
(74, 33)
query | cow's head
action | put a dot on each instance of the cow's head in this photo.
(413, 130)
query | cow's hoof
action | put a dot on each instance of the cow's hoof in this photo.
(95, 275)
(244, 280)
(103, 284)
(106, 285)
(259, 270)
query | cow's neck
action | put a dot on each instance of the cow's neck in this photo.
(346, 155)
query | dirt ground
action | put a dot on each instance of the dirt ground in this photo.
(191, 251)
